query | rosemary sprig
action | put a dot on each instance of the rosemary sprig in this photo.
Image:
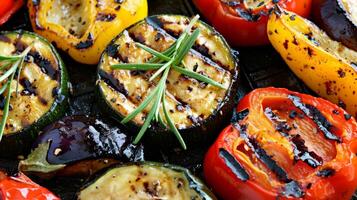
(10, 65)
(163, 62)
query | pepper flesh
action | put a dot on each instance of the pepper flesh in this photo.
(84, 28)
(326, 66)
(8, 8)
(244, 22)
(276, 151)
(20, 187)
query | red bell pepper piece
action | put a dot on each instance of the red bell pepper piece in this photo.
(20, 187)
(285, 145)
(8, 8)
(242, 25)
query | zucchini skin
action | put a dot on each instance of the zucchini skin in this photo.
(199, 135)
(195, 183)
(19, 143)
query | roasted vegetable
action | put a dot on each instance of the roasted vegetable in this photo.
(79, 146)
(84, 28)
(243, 22)
(336, 18)
(285, 145)
(326, 66)
(196, 108)
(38, 92)
(8, 8)
(146, 180)
(19, 187)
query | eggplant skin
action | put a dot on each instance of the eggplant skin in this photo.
(201, 133)
(333, 20)
(19, 143)
(147, 182)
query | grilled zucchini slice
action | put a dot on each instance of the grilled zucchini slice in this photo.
(145, 180)
(197, 109)
(43, 90)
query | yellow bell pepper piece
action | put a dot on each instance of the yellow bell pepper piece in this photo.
(326, 66)
(83, 28)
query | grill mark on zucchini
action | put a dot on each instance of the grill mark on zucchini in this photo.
(113, 82)
(45, 65)
(5, 39)
(314, 114)
(165, 33)
(203, 50)
(29, 89)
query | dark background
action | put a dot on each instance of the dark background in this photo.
(259, 67)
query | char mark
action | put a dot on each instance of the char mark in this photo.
(239, 116)
(4, 38)
(326, 172)
(233, 165)
(313, 113)
(86, 44)
(113, 82)
(301, 151)
(45, 65)
(106, 17)
(29, 89)
(293, 189)
(262, 154)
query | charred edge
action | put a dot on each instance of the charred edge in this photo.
(4, 38)
(106, 17)
(280, 125)
(233, 165)
(29, 89)
(86, 44)
(238, 116)
(262, 154)
(301, 152)
(113, 82)
(326, 172)
(112, 50)
(45, 65)
(313, 113)
(293, 189)
(36, 4)
(248, 15)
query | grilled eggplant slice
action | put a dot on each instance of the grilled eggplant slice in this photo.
(43, 91)
(339, 19)
(145, 180)
(79, 146)
(197, 109)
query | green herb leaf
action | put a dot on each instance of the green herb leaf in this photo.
(12, 70)
(198, 76)
(186, 46)
(172, 125)
(6, 107)
(144, 66)
(153, 52)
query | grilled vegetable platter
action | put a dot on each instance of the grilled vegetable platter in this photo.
(178, 99)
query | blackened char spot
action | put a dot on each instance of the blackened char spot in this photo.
(313, 113)
(301, 152)
(293, 189)
(86, 44)
(233, 165)
(28, 88)
(5, 39)
(247, 15)
(113, 82)
(112, 50)
(262, 154)
(106, 17)
(36, 2)
(326, 172)
(238, 116)
(45, 65)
